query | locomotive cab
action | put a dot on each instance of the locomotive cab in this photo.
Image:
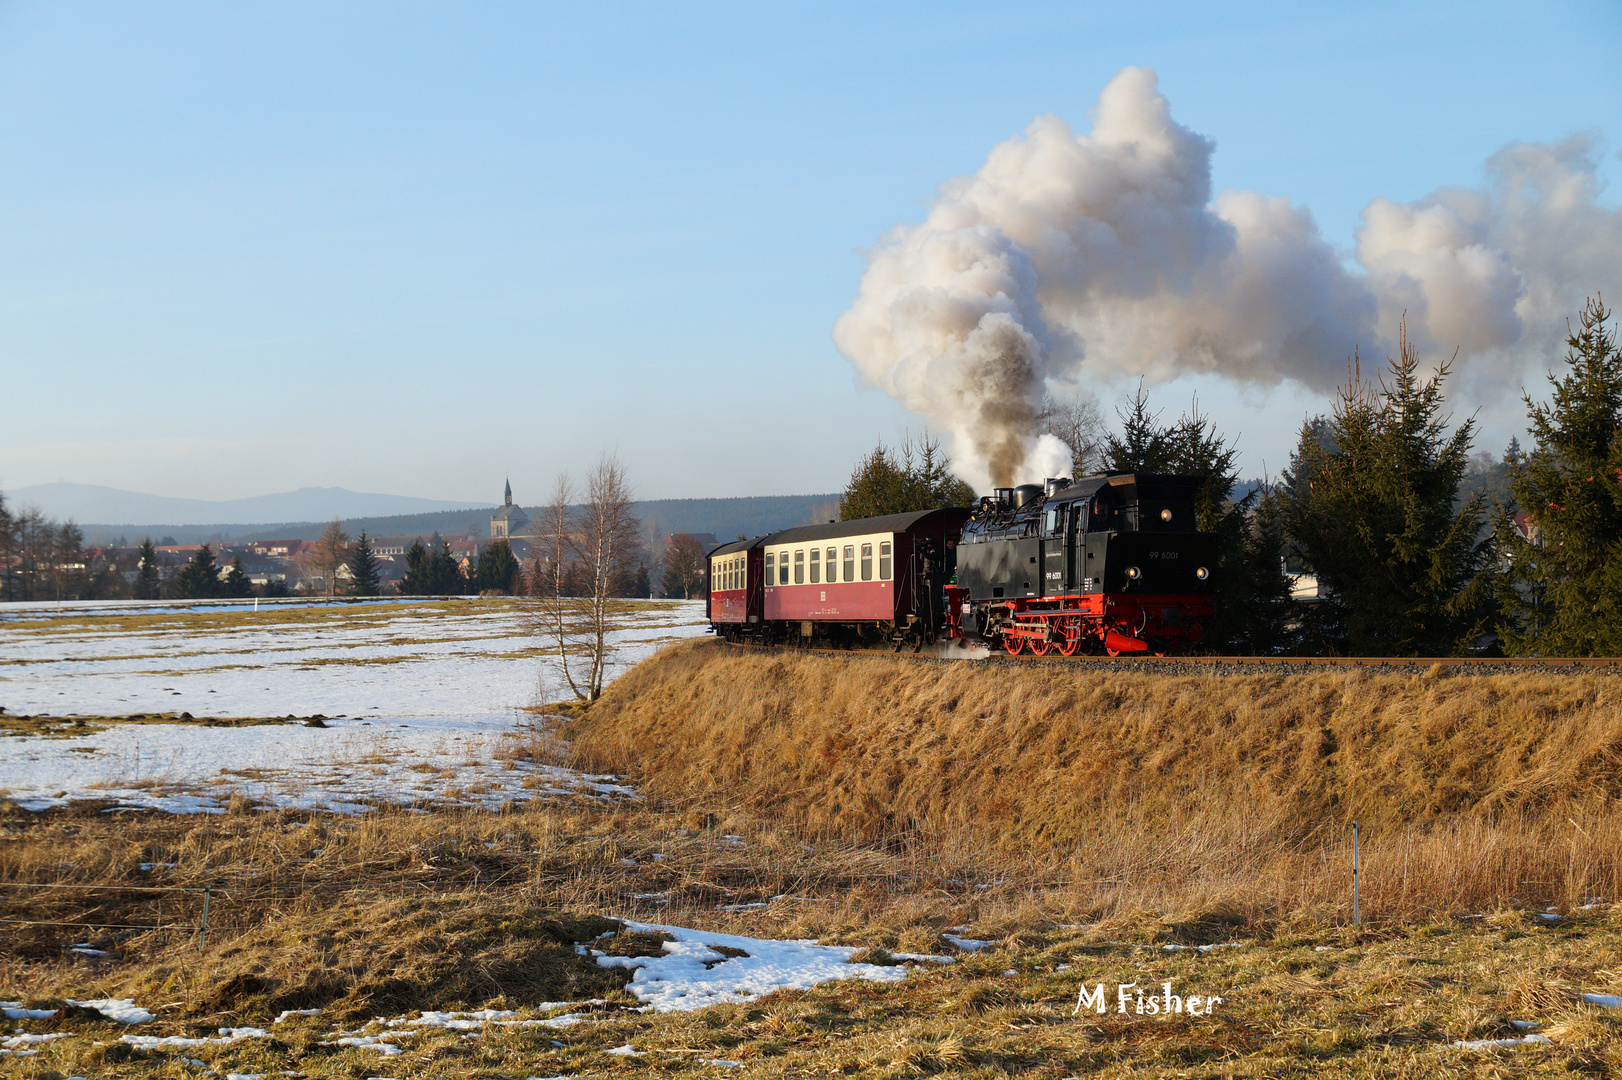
(1114, 560)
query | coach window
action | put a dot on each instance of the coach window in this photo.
(884, 562)
(849, 573)
(816, 566)
(867, 562)
(782, 568)
(769, 560)
(799, 568)
(833, 564)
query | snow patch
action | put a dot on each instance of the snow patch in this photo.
(119, 1010)
(695, 972)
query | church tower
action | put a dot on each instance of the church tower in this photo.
(508, 520)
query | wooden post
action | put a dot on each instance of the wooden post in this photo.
(202, 930)
(1357, 914)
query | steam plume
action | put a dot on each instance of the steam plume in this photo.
(1105, 255)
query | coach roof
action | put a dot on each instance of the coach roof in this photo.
(889, 523)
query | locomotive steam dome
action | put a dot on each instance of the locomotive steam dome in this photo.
(1026, 493)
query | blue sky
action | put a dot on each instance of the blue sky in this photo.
(414, 249)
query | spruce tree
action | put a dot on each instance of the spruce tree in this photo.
(236, 581)
(148, 580)
(916, 476)
(1563, 590)
(363, 568)
(199, 579)
(498, 570)
(415, 581)
(1371, 508)
(443, 573)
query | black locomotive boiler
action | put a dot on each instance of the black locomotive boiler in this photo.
(1111, 563)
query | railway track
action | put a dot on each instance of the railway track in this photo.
(954, 652)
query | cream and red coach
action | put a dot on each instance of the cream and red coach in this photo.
(735, 600)
(873, 579)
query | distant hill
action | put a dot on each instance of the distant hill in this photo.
(726, 518)
(92, 502)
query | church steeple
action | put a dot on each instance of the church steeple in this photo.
(509, 492)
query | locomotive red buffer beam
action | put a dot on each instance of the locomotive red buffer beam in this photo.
(1117, 642)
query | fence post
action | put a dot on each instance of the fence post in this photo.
(1357, 914)
(202, 930)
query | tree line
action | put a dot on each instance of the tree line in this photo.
(1376, 503)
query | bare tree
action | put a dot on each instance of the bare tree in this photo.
(550, 573)
(606, 545)
(682, 566)
(1078, 422)
(331, 552)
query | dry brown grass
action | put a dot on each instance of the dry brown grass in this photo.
(397, 911)
(1188, 792)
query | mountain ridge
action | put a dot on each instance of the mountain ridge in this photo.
(95, 502)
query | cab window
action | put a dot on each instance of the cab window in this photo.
(1055, 520)
(867, 562)
(799, 568)
(849, 572)
(884, 562)
(816, 566)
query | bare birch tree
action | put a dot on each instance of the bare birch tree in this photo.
(605, 542)
(549, 573)
(585, 552)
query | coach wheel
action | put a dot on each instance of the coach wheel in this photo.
(1013, 644)
(1070, 643)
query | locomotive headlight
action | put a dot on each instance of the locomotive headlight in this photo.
(1165, 515)
(1134, 573)
(1202, 573)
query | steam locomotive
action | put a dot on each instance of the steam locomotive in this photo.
(1111, 563)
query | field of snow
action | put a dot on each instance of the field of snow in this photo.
(422, 702)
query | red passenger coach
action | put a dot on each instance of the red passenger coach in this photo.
(867, 580)
(735, 596)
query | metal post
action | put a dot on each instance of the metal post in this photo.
(1357, 914)
(202, 931)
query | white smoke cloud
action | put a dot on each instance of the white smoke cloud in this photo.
(1104, 255)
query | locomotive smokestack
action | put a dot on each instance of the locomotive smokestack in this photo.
(1104, 256)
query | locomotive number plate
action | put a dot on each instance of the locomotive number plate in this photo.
(1164, 554)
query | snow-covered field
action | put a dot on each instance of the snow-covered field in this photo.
(423, 702)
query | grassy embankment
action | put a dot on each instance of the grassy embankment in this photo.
(1081, 819)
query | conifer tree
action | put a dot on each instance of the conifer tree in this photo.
(199, 579)
(497, 569)
(443, 574)
(916, 476)
(1563, 590)
(236, 581)
(415, 581)
(363, 568)
(1371, 508)
(148, 580)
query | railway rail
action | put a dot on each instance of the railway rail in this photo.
(957, 652)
